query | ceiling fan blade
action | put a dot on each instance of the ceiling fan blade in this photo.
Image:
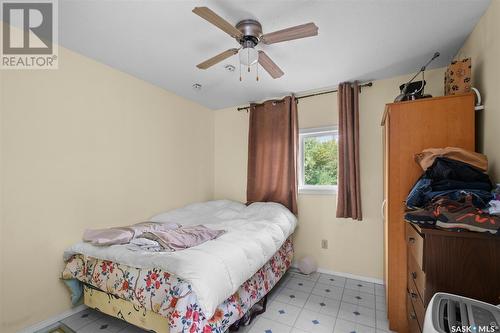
(212, 17)
(218, 58)
(299, 31)
(269, 65)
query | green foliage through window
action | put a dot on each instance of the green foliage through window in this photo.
(320, 160)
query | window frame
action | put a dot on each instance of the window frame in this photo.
(307, 133)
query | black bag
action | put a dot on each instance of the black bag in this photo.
(445, 168)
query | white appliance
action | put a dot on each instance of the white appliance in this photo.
(448, 313)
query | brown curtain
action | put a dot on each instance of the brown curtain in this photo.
(349, 194)
(272, 153)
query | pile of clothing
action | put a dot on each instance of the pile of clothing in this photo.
(454, 192)
(152, 236)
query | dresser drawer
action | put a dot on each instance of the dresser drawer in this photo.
(416, 301)
(416, 276)
(413, 325)
(415, 244)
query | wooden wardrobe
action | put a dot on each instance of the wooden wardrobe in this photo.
(410, 127)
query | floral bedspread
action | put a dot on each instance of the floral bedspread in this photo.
(172, 297)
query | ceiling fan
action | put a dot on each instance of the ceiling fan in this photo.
(248, 33)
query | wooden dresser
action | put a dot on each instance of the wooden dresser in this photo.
(409, 128)
(463, 263)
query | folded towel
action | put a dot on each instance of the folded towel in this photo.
(123, 235)
(183, 237)
(426, 158)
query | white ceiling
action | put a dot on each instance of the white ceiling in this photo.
(162, 41)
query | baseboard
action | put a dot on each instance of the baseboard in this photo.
(53, 320)
(347, 275)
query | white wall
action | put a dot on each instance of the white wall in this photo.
(86, 146)
(354, 247)
(483, 46)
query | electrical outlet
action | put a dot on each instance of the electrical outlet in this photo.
(324, 244)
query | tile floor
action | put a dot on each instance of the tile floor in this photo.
(318, 303)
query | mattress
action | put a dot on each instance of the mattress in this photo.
(217, 268)
(213, 271)
(160, 292)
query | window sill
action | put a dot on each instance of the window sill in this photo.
(317, 191)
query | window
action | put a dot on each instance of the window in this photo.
(318, 160)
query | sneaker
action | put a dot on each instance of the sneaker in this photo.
(421, 216)
(429, 214)
(467, 216)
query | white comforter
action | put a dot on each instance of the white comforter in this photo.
(216, 268)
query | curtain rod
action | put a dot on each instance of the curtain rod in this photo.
(368, 84)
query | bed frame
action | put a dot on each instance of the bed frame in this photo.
(146, 319)
(124, 310)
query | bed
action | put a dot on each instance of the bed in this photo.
(202, 289)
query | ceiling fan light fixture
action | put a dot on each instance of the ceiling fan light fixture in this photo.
(248, 33)
(248, 56)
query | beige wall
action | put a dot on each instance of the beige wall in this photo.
(93, 147)
(354, 247)
(483, 46)
(87, 146)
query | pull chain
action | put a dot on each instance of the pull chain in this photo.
(240, 71)
(257, 70)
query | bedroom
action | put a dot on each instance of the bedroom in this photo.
(125, 127)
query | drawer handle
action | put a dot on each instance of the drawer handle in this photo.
(413, 294)
(414, 275)
(411, 240)
(413, 316)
